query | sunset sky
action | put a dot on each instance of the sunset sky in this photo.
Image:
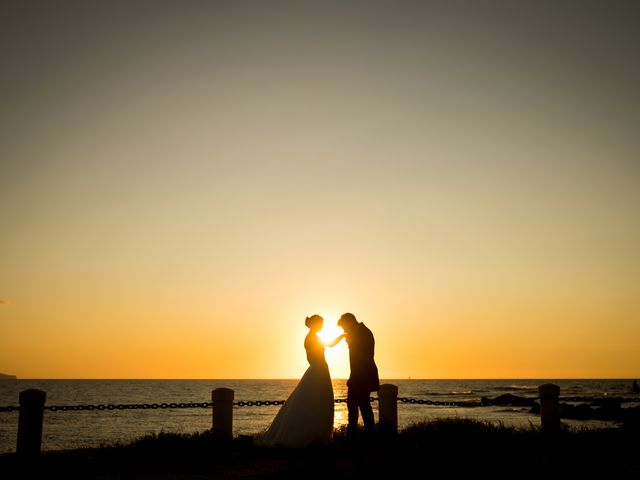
(182, 183)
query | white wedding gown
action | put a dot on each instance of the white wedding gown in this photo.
(306, 418)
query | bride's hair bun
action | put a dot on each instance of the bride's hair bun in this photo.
(310, 321)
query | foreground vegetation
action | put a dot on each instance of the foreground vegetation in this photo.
(436, 449)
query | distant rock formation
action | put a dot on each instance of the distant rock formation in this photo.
(7, 377)
(591, 409)
(510, 400)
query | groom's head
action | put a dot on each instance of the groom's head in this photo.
(347, 322)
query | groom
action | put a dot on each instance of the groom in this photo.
(364, 372)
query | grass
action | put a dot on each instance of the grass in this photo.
(443, 448)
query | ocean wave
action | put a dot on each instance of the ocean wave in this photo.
(449, 394)
(516, 388)
(513, 409)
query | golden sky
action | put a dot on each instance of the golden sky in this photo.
(181, 185)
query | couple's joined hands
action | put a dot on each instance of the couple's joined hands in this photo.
(335, 341)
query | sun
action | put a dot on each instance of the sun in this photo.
(329, 331)
(338, 356)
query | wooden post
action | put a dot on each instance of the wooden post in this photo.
(388, 408)
(549, 407)
(222, 421)
(30, 422)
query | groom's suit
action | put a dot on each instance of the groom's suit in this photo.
(364, 376)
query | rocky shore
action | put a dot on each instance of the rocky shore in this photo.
(580, 408)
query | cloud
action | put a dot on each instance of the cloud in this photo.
(5, 301)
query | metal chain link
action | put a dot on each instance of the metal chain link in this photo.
(597, 399)
(242, 403)
(154, 406)
(260, 403)
(421, 401)
(489, 403)
(127, 406)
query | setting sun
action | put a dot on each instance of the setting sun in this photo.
(337, 356)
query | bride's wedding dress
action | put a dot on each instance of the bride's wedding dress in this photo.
(306, 418)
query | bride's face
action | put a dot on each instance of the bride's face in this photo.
(316, 326)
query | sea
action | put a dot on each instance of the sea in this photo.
(93, 428)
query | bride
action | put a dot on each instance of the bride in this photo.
(306, 418)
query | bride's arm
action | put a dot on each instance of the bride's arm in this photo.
(336, 341)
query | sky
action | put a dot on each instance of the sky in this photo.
(181, 183)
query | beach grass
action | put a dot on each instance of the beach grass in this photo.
(442, 448)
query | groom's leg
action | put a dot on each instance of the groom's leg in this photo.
(367, 413)
(352, 410)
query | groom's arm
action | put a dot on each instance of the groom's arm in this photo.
(336, 341)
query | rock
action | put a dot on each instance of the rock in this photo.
(612, 403)
(576, 412)
(631, 418)
(609, 410)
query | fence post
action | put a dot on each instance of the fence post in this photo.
(30, 422)
(388, 408)
(549, 407)
(222, 420)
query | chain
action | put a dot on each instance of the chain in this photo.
(127, 406)
(155, 406)
(260, 403)
(489, 403)
(373, 399)
(245, 403)
(421, 401)
(599, 399)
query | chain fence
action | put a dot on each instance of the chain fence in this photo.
(421, 401)
(260, 403)
(604, 398)
(245, 403)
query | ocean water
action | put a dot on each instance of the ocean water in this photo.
(74, 429)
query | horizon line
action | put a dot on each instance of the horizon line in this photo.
(338, 378)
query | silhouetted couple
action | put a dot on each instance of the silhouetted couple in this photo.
(306, 418)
